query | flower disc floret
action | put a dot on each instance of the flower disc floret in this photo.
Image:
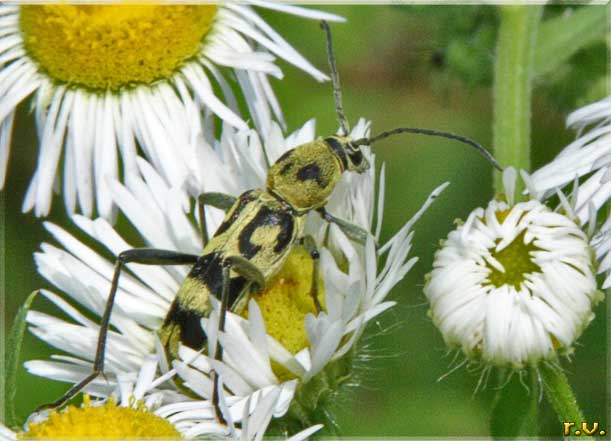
(516, 263)
(112, 46)
(287, 299)
(514, 284)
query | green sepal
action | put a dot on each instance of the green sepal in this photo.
(315, 399)
(13, 353)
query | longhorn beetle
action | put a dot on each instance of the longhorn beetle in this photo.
(260, 228)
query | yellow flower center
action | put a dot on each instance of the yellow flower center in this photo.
(101, 422)
(286, 301)
(112, 46)
(516, 260)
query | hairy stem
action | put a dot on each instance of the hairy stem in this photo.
(559, 393)
(513, 73)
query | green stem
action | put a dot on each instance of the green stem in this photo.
(512, 86)
(559, 393)
(530, 423)
(513, 393)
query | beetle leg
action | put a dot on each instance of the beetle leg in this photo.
(256, 279)
(351, 230)
(221, 201)
(310, 245)
(145, 256)
(249, 271)
(218, 353)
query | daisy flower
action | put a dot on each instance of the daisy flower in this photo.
(137, 408)
(516, 283)
(128, 412)
(279, 342)
(107, 81)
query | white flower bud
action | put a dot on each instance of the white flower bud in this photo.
(514, 284)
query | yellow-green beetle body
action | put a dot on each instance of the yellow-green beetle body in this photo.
(262, 227)
(258, 228)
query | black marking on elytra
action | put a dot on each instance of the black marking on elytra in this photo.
(243, 200)
(337, 148)
(285, 169)
(310, 172)
(209, 271)
(266, 217)
(189, 322)
(245, 246)
(287, 228)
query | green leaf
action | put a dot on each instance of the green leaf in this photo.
(514, 412)
(561, 37)
(12, 358)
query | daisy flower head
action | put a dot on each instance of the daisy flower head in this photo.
(279, 344)
(106, 82)
(140, 406)
(134, 409)
(124, 416)
(129, 412)
(516, 283)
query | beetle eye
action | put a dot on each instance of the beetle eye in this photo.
(356, 157)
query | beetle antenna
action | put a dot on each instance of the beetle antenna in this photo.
(337, 91)
(485, 153)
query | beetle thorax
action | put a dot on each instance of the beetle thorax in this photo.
(305, 176)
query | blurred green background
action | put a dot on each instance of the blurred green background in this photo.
(399, 65)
